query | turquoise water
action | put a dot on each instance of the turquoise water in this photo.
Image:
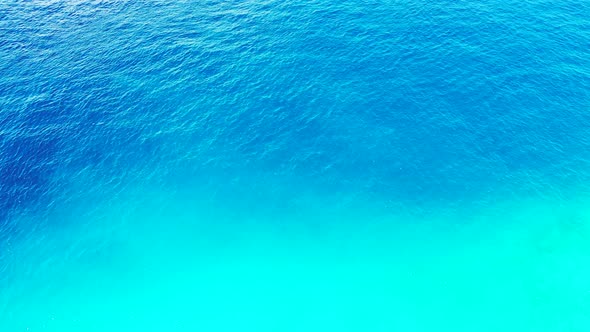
(294, 166)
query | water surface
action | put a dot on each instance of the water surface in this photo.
(294, 166)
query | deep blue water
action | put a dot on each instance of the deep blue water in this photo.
(289, 166)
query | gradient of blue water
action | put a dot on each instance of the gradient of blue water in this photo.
(314, 117)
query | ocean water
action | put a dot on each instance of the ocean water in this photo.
(264, 165)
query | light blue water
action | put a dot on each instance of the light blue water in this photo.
(294, 166)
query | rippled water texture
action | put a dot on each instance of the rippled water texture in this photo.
(294, 165)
